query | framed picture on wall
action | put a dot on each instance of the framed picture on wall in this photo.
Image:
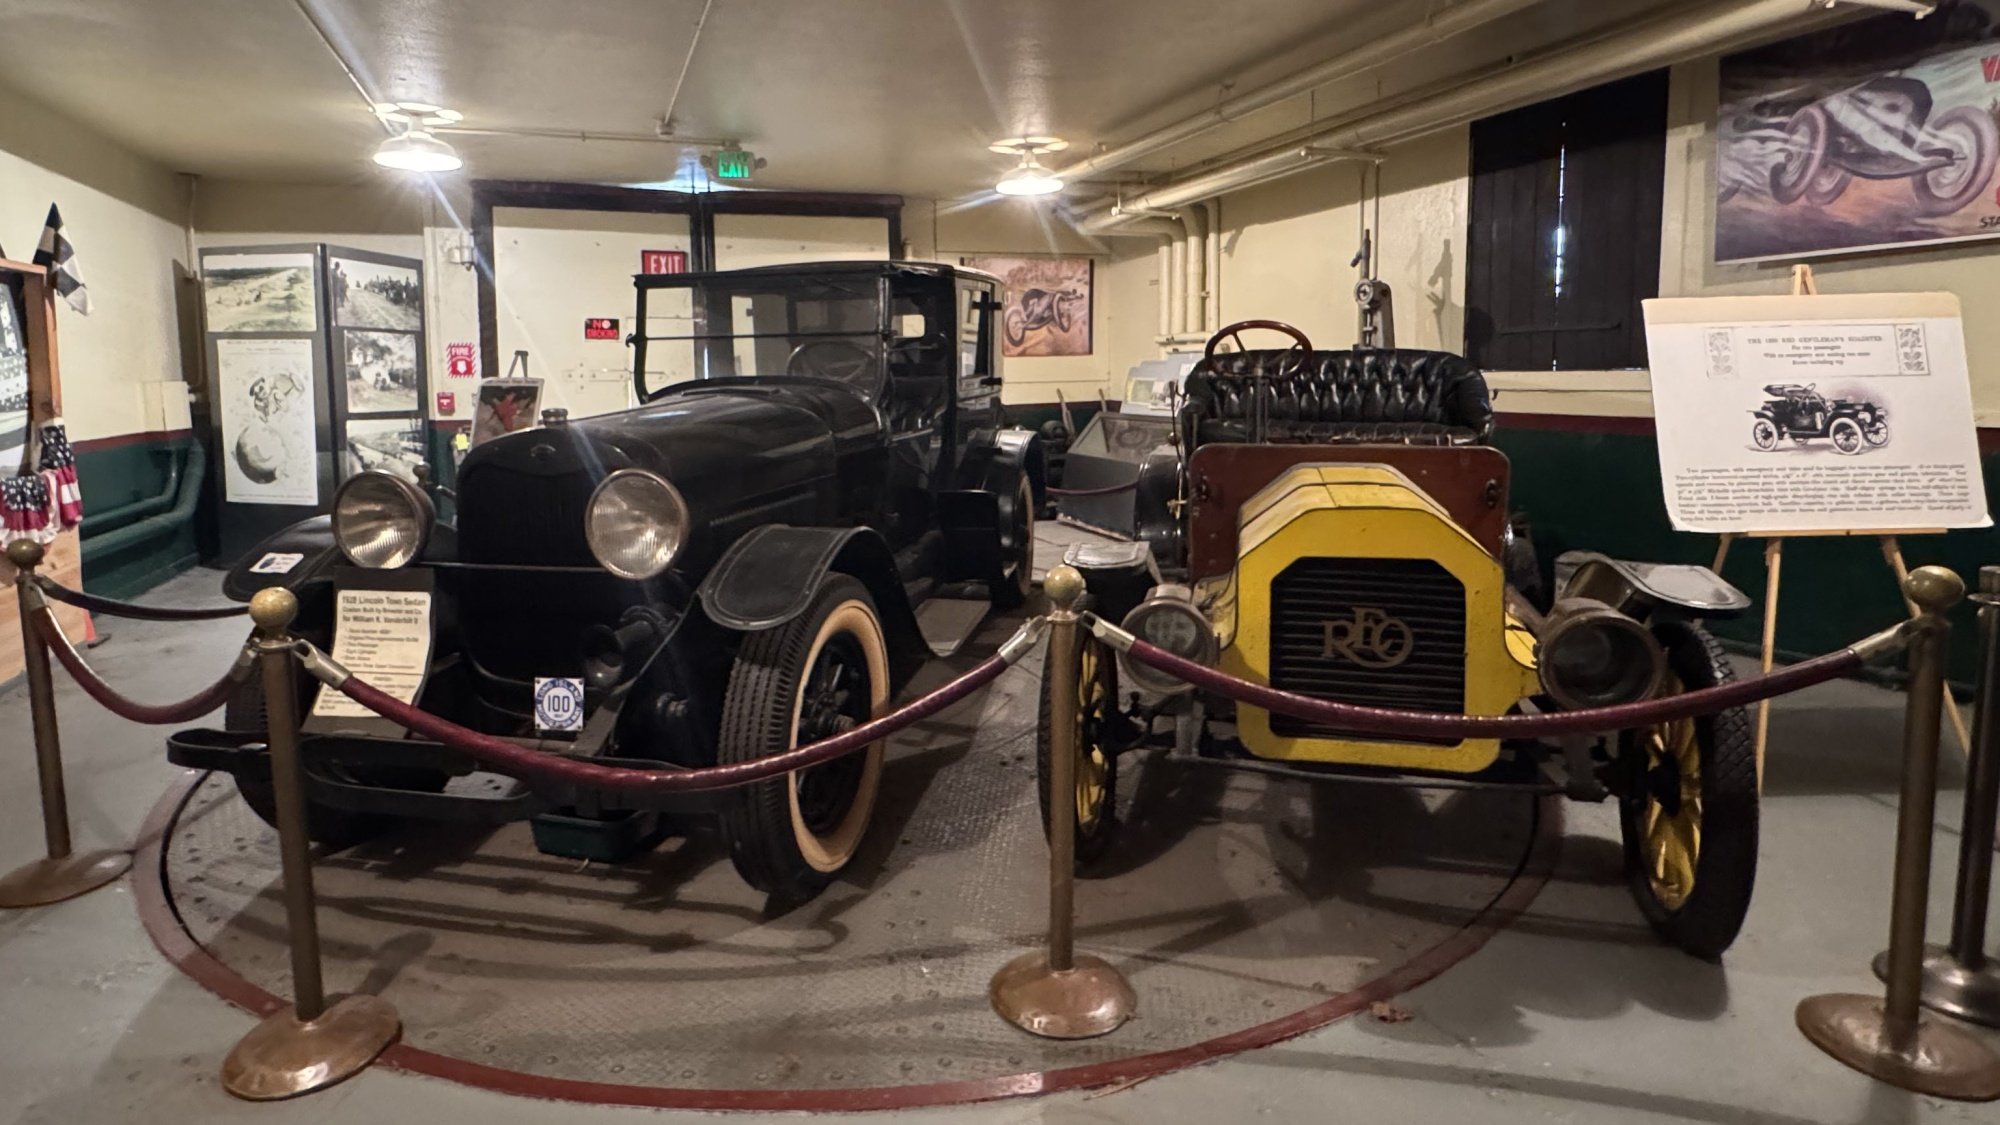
(368, 294)
(259, 292)
(380, 372)
(390, 445)
(1048, 304)
(13, 373)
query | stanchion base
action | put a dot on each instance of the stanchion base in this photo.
(1944, 1061)
(285, 1056)
(1953, 988)
(1088, 1000)
(53, 880)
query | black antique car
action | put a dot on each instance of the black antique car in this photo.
(819, 499)
(1802, 413)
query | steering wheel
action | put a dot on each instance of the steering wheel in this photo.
(843, 362)
(1289, 365)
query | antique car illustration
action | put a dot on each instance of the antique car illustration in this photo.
(754, 557)
(1801, 413)
(1335, 524)
(1039, 309)
(1882, 129)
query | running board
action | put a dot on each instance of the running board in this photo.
(947, 623)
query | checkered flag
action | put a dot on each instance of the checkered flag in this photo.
(57, 256)
(57, 463)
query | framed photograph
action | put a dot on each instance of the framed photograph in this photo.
(259, 292)
(265, 397)
(375, 295)
(13, 373)
(391, 445)
(506, 405)
(1047, 307)
(381, 372)
(1867, 136)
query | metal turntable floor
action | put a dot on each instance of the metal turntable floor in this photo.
(1243, 910)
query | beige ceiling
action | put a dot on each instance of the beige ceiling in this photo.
(848, 95)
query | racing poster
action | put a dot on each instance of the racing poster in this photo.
(1849, 413)
(1874, 134)
(1046, 308)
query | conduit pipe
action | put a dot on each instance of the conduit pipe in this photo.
(1437, 27)
(1194, 277)
(1212, 296)
(1177, 278)
(1560, 70)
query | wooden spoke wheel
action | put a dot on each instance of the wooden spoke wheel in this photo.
(1095, 794)
(1689, 809)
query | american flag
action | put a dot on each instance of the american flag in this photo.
(58, 468)
(24, 509)
(57, 256)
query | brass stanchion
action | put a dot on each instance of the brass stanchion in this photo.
(312, 1045)
(63, 873)
(1887, 1038)
(1959, 978)
(1056, 992)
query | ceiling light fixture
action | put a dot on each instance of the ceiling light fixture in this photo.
(1029, 177)
(416, 148)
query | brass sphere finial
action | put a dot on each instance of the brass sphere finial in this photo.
(1934, 588)
(25, 554)
(1063, 585)
(273, 608)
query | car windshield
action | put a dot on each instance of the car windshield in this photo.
(817, 327)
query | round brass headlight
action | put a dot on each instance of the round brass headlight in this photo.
(1168, 619)
(1590, 655)
(380, 520)
(636, 523)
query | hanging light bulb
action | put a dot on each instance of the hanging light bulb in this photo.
(416, 148)
(1029, 177)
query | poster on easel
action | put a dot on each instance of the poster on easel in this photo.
(1834, 414)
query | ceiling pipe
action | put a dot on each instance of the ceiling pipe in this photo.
(656, 138)
(1194, 279)
(1435, 28)
(1561, 70)
(1212, 297)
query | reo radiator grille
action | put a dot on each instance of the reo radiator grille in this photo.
(1377, 632)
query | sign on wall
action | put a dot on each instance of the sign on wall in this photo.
(264, 398)
(1815, 413)
(663, 261)
(600, 328)
(1047, 306)
(461, 360)
(1871, 135)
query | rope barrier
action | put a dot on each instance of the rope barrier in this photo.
(1429, 724)
(97, 603)
(529, 765)
(1108, 490)
(93, 685)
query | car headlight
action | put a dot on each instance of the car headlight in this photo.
(380, 520)
(1590, 655)
(636, 523)
(1168, 619)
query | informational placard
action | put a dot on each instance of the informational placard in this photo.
(384, 637)
(1824, 413)
(263, 389)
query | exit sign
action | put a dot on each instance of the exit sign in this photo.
(734, 164)
(663, 261)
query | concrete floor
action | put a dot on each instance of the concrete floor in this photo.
(1573, 1014)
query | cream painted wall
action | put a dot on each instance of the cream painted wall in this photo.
(125, 215)
(744, 241)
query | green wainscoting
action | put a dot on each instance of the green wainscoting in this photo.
(1601, 491)
(124, 471)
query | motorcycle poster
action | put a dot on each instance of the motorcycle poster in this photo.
(1046, 309)
(1825, 413)
(1877, 134)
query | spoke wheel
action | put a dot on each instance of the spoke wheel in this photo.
(1096, 790)
(1847, 436)
(1764, 434)
(823, 672)
(1689, 807)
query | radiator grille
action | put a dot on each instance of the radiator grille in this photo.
(1379, 632)
(527, 519)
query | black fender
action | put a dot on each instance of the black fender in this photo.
(1156, 518)
(977, 513)
(1644, 590)
(269, 563)
(769, 576)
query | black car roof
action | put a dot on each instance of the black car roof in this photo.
(843, 268)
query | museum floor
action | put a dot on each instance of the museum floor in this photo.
(1572, 1012)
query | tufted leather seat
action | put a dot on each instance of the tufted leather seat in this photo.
(1401, 396)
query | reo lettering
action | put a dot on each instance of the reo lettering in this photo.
(1368, 637)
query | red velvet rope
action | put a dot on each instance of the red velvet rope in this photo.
(158, 714)
(97, 603)
(530, 765)
(1427, 724)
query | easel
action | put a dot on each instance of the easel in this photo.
(1803, 285)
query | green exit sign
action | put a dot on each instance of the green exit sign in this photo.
(734, 164)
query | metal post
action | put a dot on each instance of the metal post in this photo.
(1055, 993)
(61, 874)
(310, 1045)
(1958, 978)
(1888, 1039)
